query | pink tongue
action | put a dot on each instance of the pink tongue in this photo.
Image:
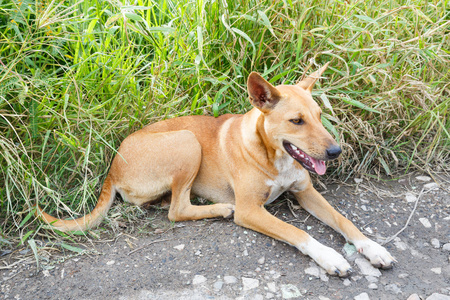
(319, 166)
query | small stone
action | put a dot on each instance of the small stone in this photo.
(261, 260)
(272, 287)
(249, 283)
(436, 296)
(245, 252)
(218, 285)
(313, 271)
(289, 291)
(413, 297)
(230, 279)
(372, 279)
(358, 180)
(402, 246)
(410, 197)
(349, 249)
(111, 262)
(403, 275)
(435, 243)
(323, 275)
(367, 268)
(362, 296)
(425, 222)
(324, 298)
(179, 247)
(270, 295)
(423, 178)
(46, 273)
(373, 286)
(198, 279)
(431, 186)
(436, 270)
(346, 282)
(258, 297)
(393, 288)
(446, 247)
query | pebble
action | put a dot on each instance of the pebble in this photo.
(367, 268)
(261, 260)
(403, 275)
(362, 296)
(436, 244)
(323, 275)
(402, 246)
(289, 291)
(446, 247)
(373, 286)
(313, 271)
(218, 285)
(324, 298)
(413, 297)
(347, 282)
(425, 222)
(349, 249)
(111, 262)
(410, 197)
(270, 295)
(372, 279)
(393, 288)
(436, 296)
(198, 279)
(230, 279)
(179, 247)
(358, 180)
(423, 178)
(272, 287)
(249, 283)
(436, 270)
(431, 186)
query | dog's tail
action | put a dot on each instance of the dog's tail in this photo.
(91, 220)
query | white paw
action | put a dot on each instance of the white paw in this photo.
(326, 257)
(377, 255)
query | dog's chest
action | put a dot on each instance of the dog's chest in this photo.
(289, 178)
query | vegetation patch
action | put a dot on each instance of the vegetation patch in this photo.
(76, 77)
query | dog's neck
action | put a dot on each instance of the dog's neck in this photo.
(254, 136)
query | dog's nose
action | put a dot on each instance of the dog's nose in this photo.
(333, 152)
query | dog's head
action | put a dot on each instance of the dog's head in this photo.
(292, 120)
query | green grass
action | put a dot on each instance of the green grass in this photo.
(77, 77)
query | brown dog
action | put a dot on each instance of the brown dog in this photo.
(240, 162)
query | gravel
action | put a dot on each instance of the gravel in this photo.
(217, 259)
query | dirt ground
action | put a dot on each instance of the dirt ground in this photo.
(216, 259)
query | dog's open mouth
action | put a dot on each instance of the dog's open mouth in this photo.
(309, 163)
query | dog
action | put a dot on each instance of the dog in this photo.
(241, 163)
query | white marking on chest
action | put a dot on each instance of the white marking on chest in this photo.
(289, 178)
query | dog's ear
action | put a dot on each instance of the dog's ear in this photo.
(308, 82)
(263, 95)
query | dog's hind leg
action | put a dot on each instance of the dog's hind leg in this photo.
(188, 159)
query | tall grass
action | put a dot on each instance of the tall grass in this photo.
(76, 77)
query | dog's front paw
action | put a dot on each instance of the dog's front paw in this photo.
(326, 257)
(378, 256)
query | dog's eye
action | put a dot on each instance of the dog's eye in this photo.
(297, 121)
